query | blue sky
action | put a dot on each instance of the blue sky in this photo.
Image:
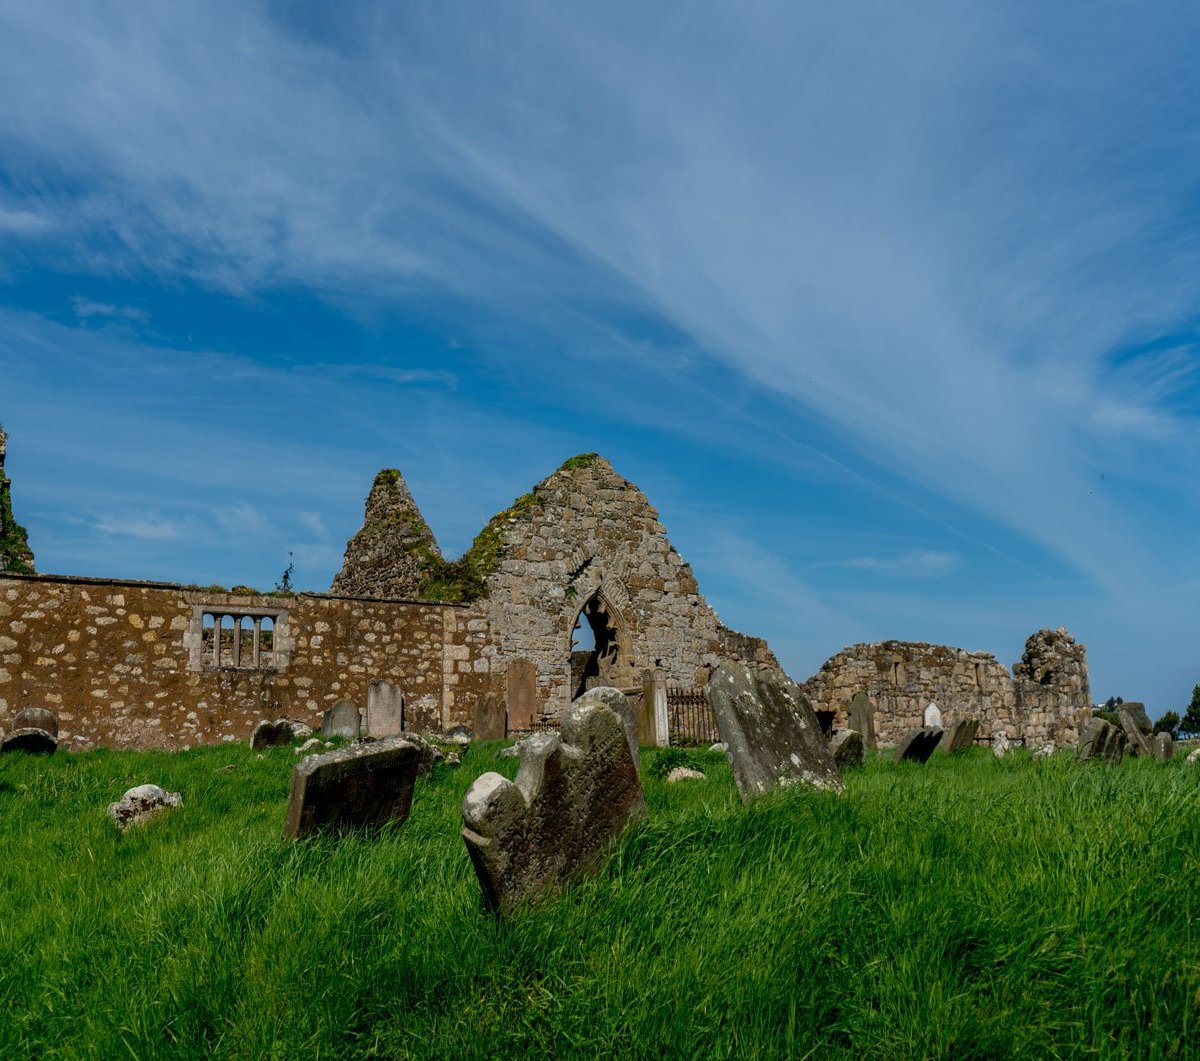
(892, 310)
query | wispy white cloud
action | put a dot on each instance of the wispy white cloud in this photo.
(86, 308)
(146, 526)
(915, 564)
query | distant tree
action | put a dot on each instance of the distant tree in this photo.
(1190, 723)
(1113, 702)
(1169, 723)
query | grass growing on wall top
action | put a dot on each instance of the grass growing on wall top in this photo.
(970, 908)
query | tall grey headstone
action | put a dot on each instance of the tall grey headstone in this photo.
(488, 723)
(771, 735)
(342, 720)
(918, 745)
(385, 709)
(363, 786)
(524, 704)
(1101, 741)
(960, 736)
(1164, 747)
(619, 703)
(862, 719)
(575, 792)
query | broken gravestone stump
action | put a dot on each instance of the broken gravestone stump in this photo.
(575, 792)
(1001, 745)
(1101, 741)
(342, 720)
(960, 736)
(1164, 747)
(272, 734)
(918, 745)
(140, 804)
(862, 719)
(684, 773)
(772, 737)
(618, 702)
(848, 749)
(34, 729)
(363, 786)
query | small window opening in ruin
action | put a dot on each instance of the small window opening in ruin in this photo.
(825, 718)
(237, 642)
(595, 651)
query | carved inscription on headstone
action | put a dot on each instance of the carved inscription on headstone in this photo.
(575, 791)
(385, 709)
(524, 704)
(770, 732)
(358, 787)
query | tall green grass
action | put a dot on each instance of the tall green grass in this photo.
(968, 908)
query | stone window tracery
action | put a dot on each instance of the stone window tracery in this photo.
(237, 638)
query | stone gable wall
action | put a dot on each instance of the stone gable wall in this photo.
(118, 661)
(902, 677)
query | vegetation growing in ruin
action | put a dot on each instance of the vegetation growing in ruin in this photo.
(967, 908)
(15, 554)
(580, 460)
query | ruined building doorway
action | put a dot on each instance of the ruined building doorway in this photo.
(599, 652)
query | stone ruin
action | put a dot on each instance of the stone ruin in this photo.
(1045, 698)
(15, 554)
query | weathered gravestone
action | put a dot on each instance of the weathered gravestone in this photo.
(862, 719)
(488, 722)
(272, 734)
(848, 750)
(1164, 747)
(140, 804)
(960, 736)
(385, 709)
(342, 720)
(363, 786)
(1101, 741)
(1001, 745)
(1137, 739)
(619, 703)
(772, 737)
(576, 790)
(34, 729)
(524, 704)
(933, 717)
(918, 745)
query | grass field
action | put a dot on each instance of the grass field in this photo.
(969, 908)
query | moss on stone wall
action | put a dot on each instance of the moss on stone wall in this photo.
(15, 554)
(580, 460)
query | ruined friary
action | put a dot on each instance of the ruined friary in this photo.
(572, 586)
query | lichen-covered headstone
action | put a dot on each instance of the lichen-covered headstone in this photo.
(272, 734)
(918, 745)
(619, 703)
(342, 720)
(960, 736)
(848, 749)
(933, 717)
(364, 786)
(1100, 741)
(1164, 747)
(34, 729)
(1001, 745)
(771, 735)
(140, 804)
(1136, 713)
(1193, 757)
(575, 792)
(684, 773)
(1136, 741)
(862, 719)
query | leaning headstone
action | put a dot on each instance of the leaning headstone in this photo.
(385, 709)
(575, 792)
(772, 737)
(1164, 747)
(918, 745)
(619, 703)
(848, 750)
(961, 735)
(1136, 742)
(1193, 757)
(933, 717)
(1136, 712)
(489, 718)
(140, 804)
(34, 729)
(342, 720)
(1100, 740)
(271, 734)
(862, 719)
(1001, 745)
(363, 786)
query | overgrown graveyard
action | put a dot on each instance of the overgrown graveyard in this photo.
(966, 907)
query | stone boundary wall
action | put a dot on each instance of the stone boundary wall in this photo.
(1046, 698)
(119, 662)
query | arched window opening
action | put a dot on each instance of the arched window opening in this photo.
(595, 647)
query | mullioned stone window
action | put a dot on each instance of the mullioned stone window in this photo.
(238, 637)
